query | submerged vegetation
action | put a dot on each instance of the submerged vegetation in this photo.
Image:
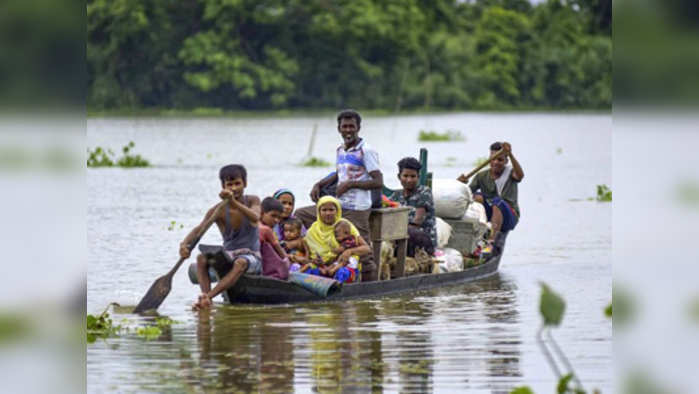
(315, 162)
(433, 136)
(103, 327)
(101, 157)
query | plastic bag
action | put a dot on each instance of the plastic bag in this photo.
(476, 212)
(450, 260)
(443, 232)
(451, 198)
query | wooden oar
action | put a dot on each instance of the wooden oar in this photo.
(480, 166)
(161, 287)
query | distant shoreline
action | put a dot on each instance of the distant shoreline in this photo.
(296, 113)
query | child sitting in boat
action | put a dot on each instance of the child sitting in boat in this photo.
(274, 259)
(344, 237)
(238, 223)
(323, 244)
(298, 255)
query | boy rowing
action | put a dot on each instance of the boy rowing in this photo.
(238, 223)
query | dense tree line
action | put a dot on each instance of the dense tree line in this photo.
(370, 54)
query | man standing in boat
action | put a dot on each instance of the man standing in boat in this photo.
(496, 189)
(357, 174)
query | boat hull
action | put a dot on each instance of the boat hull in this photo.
(262, 290)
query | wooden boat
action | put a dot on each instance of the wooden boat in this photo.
(251, 289)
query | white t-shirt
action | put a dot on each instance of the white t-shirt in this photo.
(355, 164)
(502, 179)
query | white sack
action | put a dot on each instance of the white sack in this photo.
(451, 198)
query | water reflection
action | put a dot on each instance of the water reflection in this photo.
(251, 351)
(463, 338)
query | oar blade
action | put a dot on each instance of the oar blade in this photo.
(155, 295)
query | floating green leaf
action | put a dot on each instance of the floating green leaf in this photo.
(149, 332)
(563, 382)
(522, 390)
(604, 193)
(551, 306)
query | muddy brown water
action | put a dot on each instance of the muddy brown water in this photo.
(475, 337)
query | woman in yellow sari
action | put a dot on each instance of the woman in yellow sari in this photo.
(323, 244)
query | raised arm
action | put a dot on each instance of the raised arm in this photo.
(252, 212)
(517, 172)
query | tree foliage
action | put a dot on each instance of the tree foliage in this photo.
(393, 55)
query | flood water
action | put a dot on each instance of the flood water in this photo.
(475, 337)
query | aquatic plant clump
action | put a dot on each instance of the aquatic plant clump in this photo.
(604, 193)
(433, 136)
(101, 157)
(315, 162)
(100, 326)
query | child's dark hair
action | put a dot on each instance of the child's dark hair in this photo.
(495, 146)
(295, 222)
(410, 163)
(231, 172)
(271, 204)
(349, 114)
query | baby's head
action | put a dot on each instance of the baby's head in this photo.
(343, 229)
(292, 229)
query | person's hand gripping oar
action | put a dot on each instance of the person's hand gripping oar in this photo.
(161, 287)
(465, 177)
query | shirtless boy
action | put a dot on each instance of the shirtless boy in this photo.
(238, 223)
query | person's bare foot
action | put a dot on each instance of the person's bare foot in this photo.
(204, 302)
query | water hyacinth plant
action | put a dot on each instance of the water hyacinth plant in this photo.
(433, 136)
(101, 326)
(101, 157)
